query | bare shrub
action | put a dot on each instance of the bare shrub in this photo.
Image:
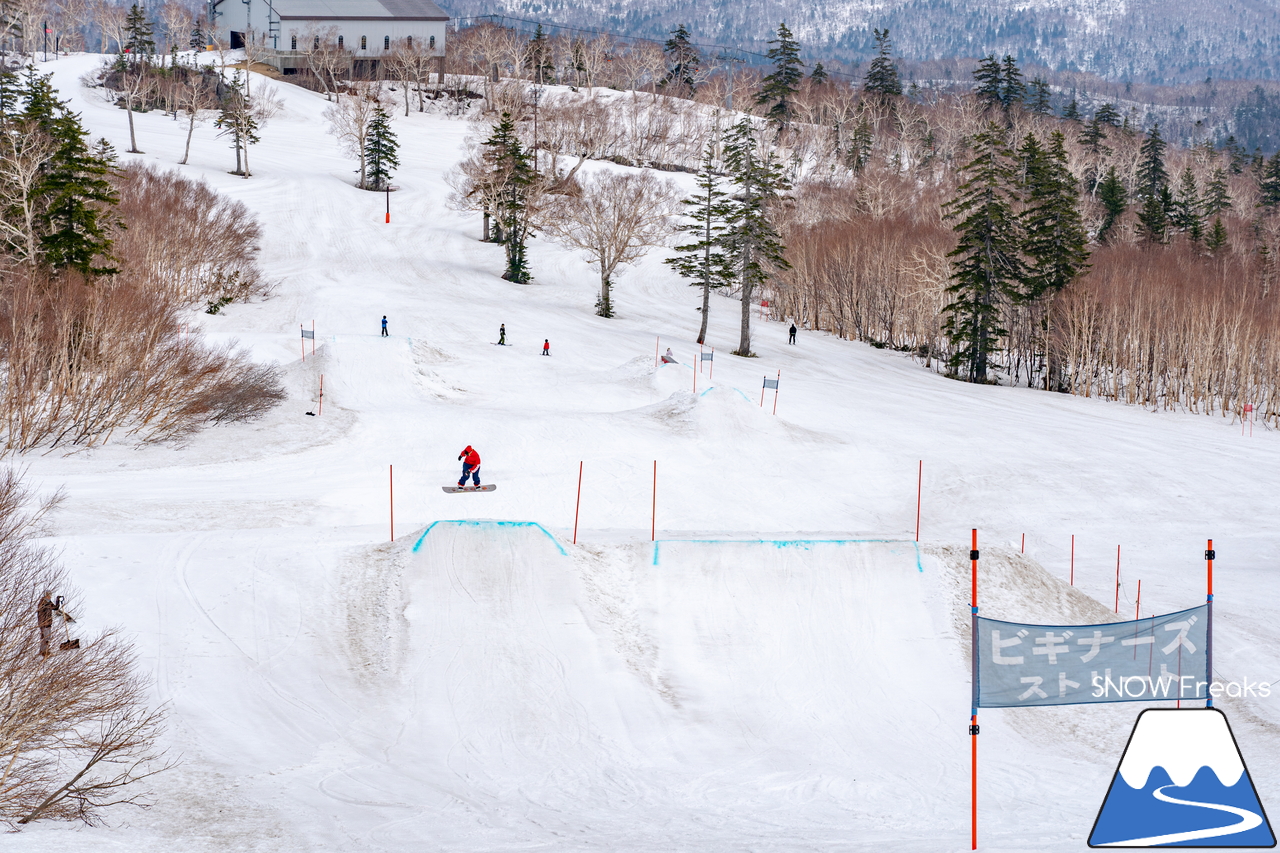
(82, 361)
(184, 239)
(76, 733)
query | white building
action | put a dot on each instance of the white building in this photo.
(365, 28)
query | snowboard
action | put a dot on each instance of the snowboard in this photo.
(489, 487)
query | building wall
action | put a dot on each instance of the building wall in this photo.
(375, 31)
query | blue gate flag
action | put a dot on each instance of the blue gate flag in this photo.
(1160, 657)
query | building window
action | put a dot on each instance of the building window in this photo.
(316, 46)
(339, 42)
(386, 42)
(431, 43)
(293, 43)
(364, 42)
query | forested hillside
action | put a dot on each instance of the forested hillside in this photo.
(1143, 41)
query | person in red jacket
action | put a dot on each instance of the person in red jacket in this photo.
(470, 466)
(546, 347)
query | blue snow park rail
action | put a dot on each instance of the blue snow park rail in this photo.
(805, 544)
(463, 522)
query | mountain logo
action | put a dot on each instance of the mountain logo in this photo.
(1182, 783)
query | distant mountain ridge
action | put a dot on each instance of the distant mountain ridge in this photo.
(1154, 41)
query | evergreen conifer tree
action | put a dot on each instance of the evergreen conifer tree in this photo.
(882, 78)
(819, 74)
(987, 262)
(236, 120)
(1072, 111)
(778, 89)
(751, 243)
(1217, 237)
(538, 58)
(858, 154)
(1151, 172)
(1153, 216)
(1114, 200)
(380, 151)
(1055, 240)
(1012, 90)
(703, 260)
(683, 62)
(138, 43)
(1187, 206)
(1269, 183)
(1107, 115)
(514, 182)
(1217, 195)
(989, 82)
(74, 195)
(1038, 97)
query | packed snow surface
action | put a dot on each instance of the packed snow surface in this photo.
(784, 669)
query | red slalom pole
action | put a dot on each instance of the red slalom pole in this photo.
(656, 342)
(1137, 609)
(1073, 559)
(391, 501)
(775, 393)
(919, 486)
(653, 510)
(1024, 543)
(577, 504)
(711, 374)
(973, 719)
(302, 343)
(1117, 578)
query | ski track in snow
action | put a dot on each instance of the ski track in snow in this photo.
(333, 691)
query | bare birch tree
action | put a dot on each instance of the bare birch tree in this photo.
(349, 121)
(614, 220)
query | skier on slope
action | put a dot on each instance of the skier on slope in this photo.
(384, 326)
(668, 357)
(546, 347)
(502, 335)
(470, 466)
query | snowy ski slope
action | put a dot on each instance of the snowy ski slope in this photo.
(783, 671)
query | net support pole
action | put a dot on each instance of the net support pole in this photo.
(313, 337)
(388, 203)
(778, 383)
(1208, 639)
(919, 488)
(653, 508)
(711, 374)
(577, 504)
(302, 343)
(973, 711)
(1117, 578)
(1137, 607)
(656, 342)
(391, 498)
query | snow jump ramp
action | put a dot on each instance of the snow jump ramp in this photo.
(690, 683)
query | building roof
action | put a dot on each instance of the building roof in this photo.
(358, 10)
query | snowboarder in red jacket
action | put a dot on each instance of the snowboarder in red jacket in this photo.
(470, 466)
